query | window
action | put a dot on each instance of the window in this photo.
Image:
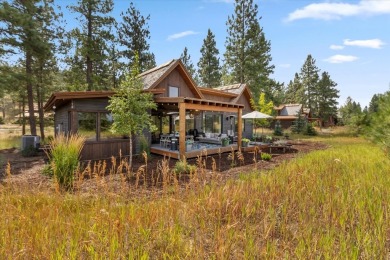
(106, 122)
(87, 125)
(212, 123)
(173, 91)
(95, 126)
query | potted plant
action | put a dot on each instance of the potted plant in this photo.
(225, 141)
(245, 142)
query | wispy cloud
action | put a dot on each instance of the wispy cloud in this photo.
(373, 43)
(332, 11)
(341, 58)
(285, 65)
(336, 47)
(180, 35)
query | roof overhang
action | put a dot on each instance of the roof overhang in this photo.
(59, 98)
(216, 92)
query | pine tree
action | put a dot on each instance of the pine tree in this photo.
(309, 80)
(295, 93)
(209, 70)
(90, 42)
(379, 129)
(25, 32)
(186, 60)
(247, 50)
(327, 96)
(134, 34)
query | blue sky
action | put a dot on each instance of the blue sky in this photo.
(348, 38)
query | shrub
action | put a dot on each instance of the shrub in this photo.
(309, 130)
(266, 156)
(144, 145)
(183, 167)
(1, 121)
(64, 155)
(278, 131)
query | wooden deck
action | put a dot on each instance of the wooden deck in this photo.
(157, 149)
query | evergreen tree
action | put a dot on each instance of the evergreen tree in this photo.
(247, 50)
(309, 79)
(295, 93)
(278, 131)
(379, 130)
(373, 107)
(134, 34)
(185, 58)
(209, 70)
(90, 43)
(327, 96)
(26, 32)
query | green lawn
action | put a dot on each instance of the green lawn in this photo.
(330, 204)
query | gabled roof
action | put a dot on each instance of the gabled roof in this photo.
(280, 107)
(153, 77)
(289, 109)
(238, 89)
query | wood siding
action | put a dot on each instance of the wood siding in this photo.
(61, 118)
(175, 80)
(91, 105)
(105, 149)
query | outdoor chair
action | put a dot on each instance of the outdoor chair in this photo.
(164, 141)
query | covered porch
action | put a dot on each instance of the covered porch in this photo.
(188, 119)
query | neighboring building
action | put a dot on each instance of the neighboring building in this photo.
(182, 109)
(288, 113)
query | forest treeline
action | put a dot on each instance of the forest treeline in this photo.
(39, 56)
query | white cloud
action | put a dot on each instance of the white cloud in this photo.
(341, 58)
(332, 11)
(373, 43)
(336, 47)
(180, 35)
(285, 65)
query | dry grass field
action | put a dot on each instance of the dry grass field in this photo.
(328, 204)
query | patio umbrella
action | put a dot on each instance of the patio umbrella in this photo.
(256, 115)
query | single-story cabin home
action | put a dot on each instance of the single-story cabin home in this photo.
(200, 117)
(288, 113)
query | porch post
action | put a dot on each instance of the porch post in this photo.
(182, 130)
(239, 137)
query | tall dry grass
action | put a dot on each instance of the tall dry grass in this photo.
(331, 204)
(64, 154)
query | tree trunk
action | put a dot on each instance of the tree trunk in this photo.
(23, 117)
(40, 111)
(30, 96)
(89, 48)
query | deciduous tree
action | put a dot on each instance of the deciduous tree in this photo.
(130, 107)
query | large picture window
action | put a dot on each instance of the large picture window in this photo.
(95, 126)
(212, 122)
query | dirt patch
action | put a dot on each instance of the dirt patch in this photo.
(27, 171)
